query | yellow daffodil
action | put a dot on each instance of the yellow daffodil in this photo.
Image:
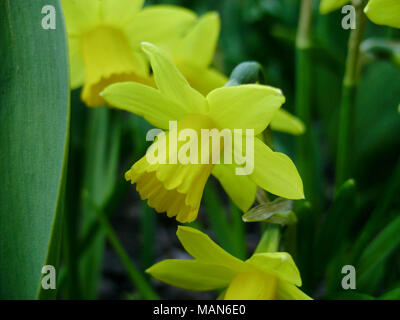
(386, 12)
(264, 276)
(177, 188)
(383, 12)
(193, 55)
(104, 40)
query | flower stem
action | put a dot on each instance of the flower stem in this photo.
(271, 236)
(270, 239)
(303, 94)
(347, 106)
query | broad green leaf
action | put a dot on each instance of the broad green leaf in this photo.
(34, 121)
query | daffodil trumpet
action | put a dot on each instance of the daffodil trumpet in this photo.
(177, 188)
(204, 145)
(104, 41)
(264, 276)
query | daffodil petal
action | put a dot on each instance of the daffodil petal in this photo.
(201, 79)
(385, 12)
(118, 13)
(172, 83)
(249, 106)
(172, 21)
(288, 291)
(144, 101)
(77, 68)
(278, 264)
(192, 274)
(252, 285)
(327, 6)
(201, 247)
(198, 46)
(81, 15)
(240, 188)
(285, 122)
(276, 173)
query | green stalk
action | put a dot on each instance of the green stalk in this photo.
(148, 226)
(303, 95)
(347, 106)
(270, 239)
(271, 236)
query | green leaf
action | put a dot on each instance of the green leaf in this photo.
(101, 173)
(391, 295)
(279, 211)
(386, 241)
(335, 227)
(34, 121)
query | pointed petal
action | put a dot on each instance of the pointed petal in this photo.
(249, 106)
(77, 67)
(252, 285)
(118, 13)
(240, 188)
(285, 122)
(198, 46)
(81, 15)
(144, 101)
(174, 22)
(327, 6)
(278, 264)
(287, 291)
(172, 83)
(385, 12)
(201, 247)
(276, 173)
(192, 275)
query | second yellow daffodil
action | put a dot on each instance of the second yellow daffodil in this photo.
(104, 40)
(264, 276)
(177, 188)
(383, 12)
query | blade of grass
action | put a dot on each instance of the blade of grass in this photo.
(239, 230)
(375, 220)
(135, 276)
(385, 242)
(101, 164)
(148, 227)
(217, 216)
